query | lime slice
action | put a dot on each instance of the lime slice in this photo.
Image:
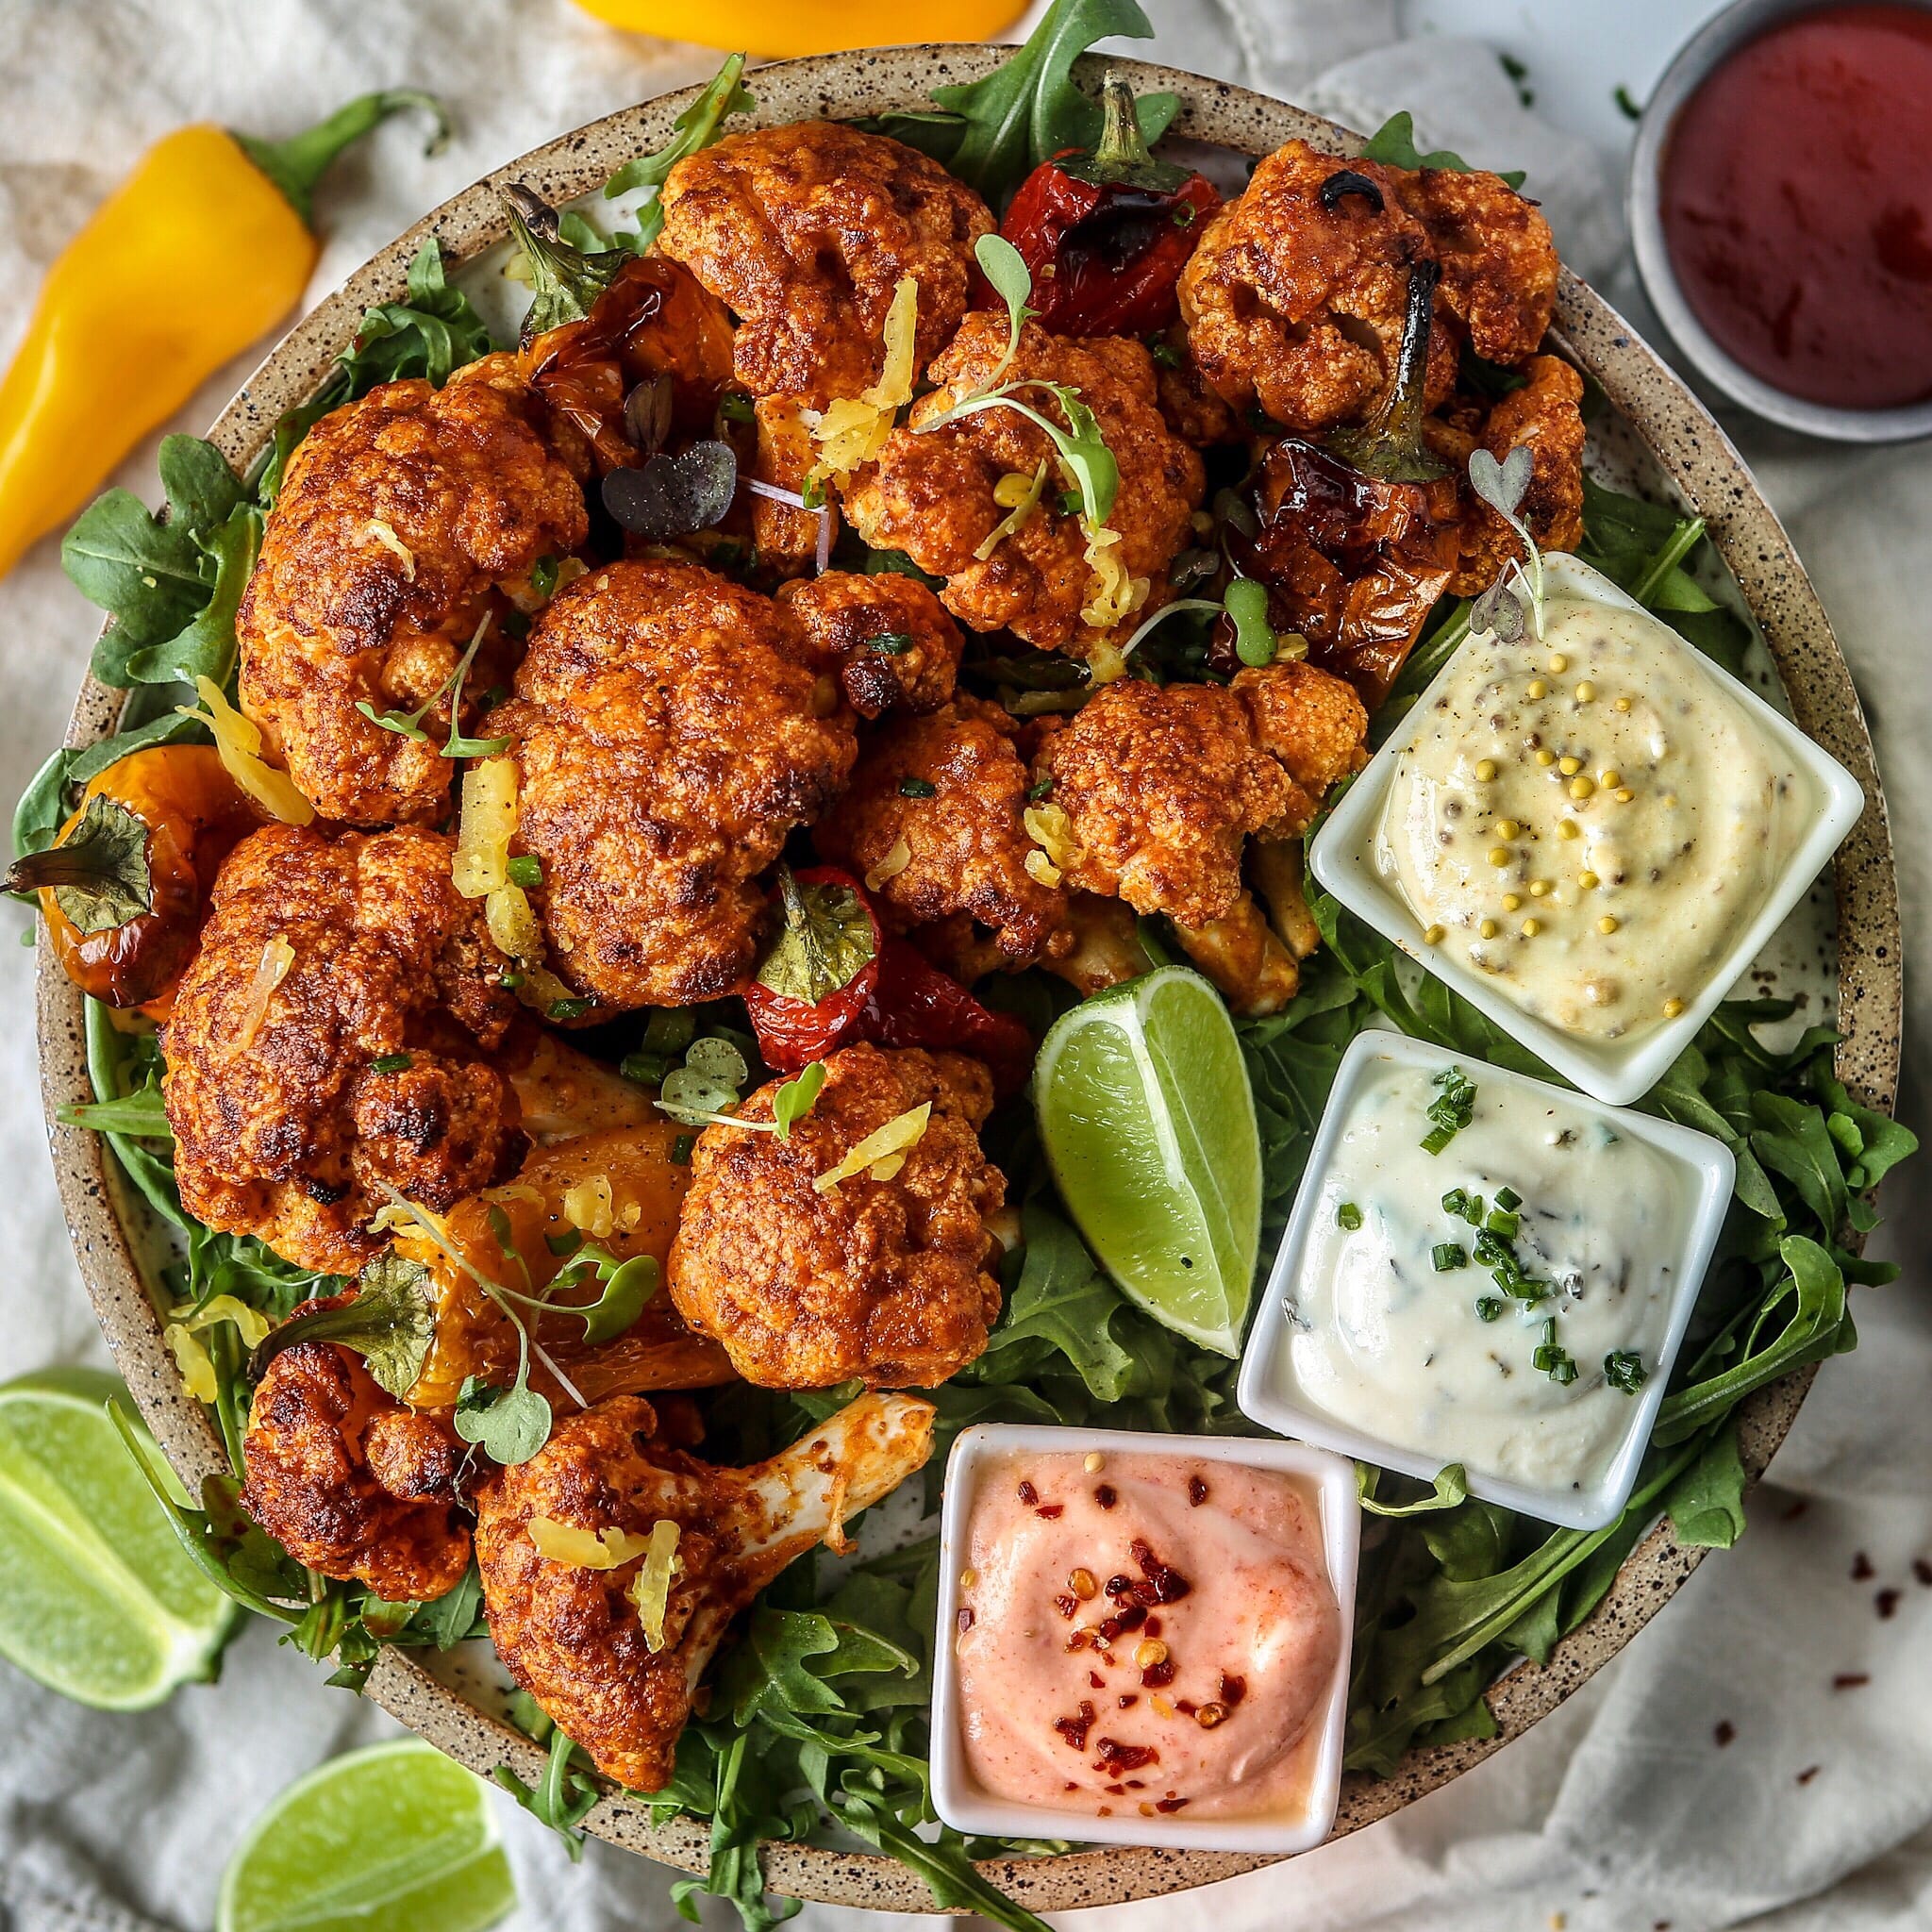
(1148, 1123)
(100, 1602)
(392, 1839)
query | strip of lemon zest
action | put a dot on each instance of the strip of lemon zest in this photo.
(237, 740)
(385, 535)
(512, 922)
(584, 1549)
(890, 866)
(851, 432)
(879, 1148)
(1019, 514)
(588, 1207)
(277, 956)
(251, 1323)
(190, 1357)
(650, 1589)
(486, 826)
(1112, 596)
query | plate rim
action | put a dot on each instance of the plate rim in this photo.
(1679, 435)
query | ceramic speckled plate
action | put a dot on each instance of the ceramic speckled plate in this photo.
(1657, 437)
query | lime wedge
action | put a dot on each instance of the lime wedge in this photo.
(1148, 1123)
(100, 1602)
(395, 1838)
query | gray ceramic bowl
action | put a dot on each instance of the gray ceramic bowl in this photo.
(1659, 420)
(1701, 54)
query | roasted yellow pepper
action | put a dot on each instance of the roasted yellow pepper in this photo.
(204, 247)
(781, 28)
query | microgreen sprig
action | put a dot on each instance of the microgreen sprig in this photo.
(1503, 486)
(409, 723)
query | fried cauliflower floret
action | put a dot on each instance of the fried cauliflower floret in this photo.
(351, 1483)
(886, 638)
(804, 232)
(289, 1113)
(403, 519)
(1294, 298)
(669, 733)
(930, 495)
(1160, 785)
(577, 1638)
(967, 840)
(886, 1281)
(1546, 415)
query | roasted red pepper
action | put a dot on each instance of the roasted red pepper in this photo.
(833, 977)
(1107, 233)
(124, 889)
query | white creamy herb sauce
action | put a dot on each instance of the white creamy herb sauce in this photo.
(1389, 1343)
(1591, 819)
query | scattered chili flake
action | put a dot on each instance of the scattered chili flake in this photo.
(1079, 1639)
(1851, 1680)
(1186, 1706)
(1146, 1809)
(1106, 1495)
(1809, 1772)
(1096, 1680)
(1169, 1804)
(1863, 1571)
(1066, 1606)
(1232, 1690)
(1029, 1494)
(1083, 1586)
(1116, 1756)
(1163, 1585)
(1153, 1626)
(965, 1617)
(1050, 1510)
(1104, 1811)
(1115, 1790)
(1119, 1587)
(1725, 1732)
(1158, 1677)
(1886, 1602)
(1070, 1786)
(1074, 1729)
(1136, 1783)
(1197, 1495)
(1922, 1571)
(1130, 1617)
(1129, 1699)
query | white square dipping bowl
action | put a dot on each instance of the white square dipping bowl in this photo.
(966, 1805)
(1708, 1163)
(1342, 857)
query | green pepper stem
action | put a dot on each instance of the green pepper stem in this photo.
(1122, 151)
(296, 165)
(564, 282)
(58, 865)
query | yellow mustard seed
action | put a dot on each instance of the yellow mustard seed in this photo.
(1546, 757)
(1622, 703)
(1586, 693)
(1624, 794)
(1512, 902)
(1568, 829)
(1606, 925)
(1485, 770)
(968, 1578)
(1432, 937)
(1538, 689)
(1499, 855)
(1149, 1654)
(1581, 786)
(1084, 1584)
(1538, 888)
(1569, 767)
(1531, 928)
(1558, 663)
(1489, 928)
(1589, 881)
(1507, 828)
(1096, 1463)
(1610, 779)
(1673, 1008)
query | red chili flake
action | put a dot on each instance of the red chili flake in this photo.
(1863, 1571)
(1079, 1639)
(1851, 1680)
(1104, 1811)
(1169, 1804)
(1809, 1772)
(1161, 1584)
(1050, 1510)
(1186, 1706)
(1232, 1690)
(1725, 1732)
(1128, 1616)
(1197, 1495)
(965, 1617)
(1153, 1626)
(1106, 1495)
(1120, 1587)
(1129, 1699)
(1074, 1730)
(1886, 1602)
(1096, 1680)
(1115, 1756)
(1158, 1677)
(1116, 1789)
(1070, 1786)
(1029, 1494)
(1136, 1783)
(1922, 1571)
(1066, 1606)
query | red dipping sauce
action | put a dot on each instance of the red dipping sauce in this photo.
(1797, 206)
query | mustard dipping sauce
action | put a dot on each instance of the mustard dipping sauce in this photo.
(1591, 819)
(1144, 1634)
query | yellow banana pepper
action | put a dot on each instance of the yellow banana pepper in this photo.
(205, 247)
(781, 28)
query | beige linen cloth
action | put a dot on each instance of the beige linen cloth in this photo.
(1622, 1813)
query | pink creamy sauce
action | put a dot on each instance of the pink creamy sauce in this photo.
(1155, 1635)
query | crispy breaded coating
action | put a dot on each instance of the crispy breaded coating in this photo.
(803, 232)
(1160, 785)
(669, 732)
(967, 842)
(284, 1128)
(351, 1483)
(574, 1637)
(884, 1281)
(1546, 415)
(403, 519)
(930, 495)
(1294, 298)
(887, 639)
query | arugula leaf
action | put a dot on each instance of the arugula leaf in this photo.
(140, 1112)
(564, 1799)
(1449, 1490)
(697, 127)
(1393, 145)
(145, 573)
(1705, 1504)
(206, 648)
(1065, 1301)
(1028, 110)
(446, 1620)
(432, 333)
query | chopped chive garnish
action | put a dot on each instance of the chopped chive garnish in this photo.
(1487, 1308)
(646, 1069)
(917, 788)
(737, 408)
(1623, 1370)
(1508, 1199)
(392, 1064)
(1551, 1359)
(1449, 1255)
(570, 1009)
(1452, 1110)
(524, 871)
(510, 981)
(680, 1149)
(1042, 789)
(892, 643)
(1465, 1205)
(1502, 1222)
(1349, 1216)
